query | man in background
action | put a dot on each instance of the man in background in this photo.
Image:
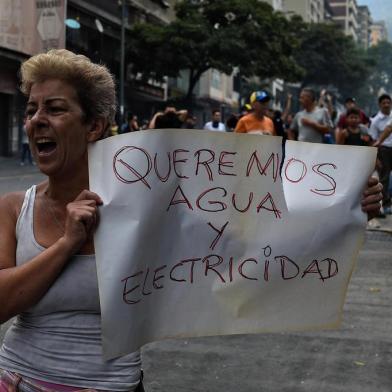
(380, 123)
(311, 123)
(215, 124)
(257, 121)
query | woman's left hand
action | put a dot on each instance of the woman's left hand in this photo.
(372, 197)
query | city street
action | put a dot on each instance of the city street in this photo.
(357, 357)
(73, 72)
(14, 177)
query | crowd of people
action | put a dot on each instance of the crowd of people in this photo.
(318, 121)
(48, 277)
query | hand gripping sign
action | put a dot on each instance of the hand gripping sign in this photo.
(210, 234)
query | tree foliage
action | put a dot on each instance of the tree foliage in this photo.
(381, 75)
(331, 58)
(380, 78)
(219, 34)
(251, 36)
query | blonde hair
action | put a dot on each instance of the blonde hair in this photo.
(93, 83)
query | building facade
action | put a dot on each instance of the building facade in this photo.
(99, 38)
(328, 12)
(378, 32)
(11, 102)
(345, 14)
(277, 5)
(27, 27)
(364, 23)
(309, 10)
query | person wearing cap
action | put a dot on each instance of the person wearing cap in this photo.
(257, 121)
(248, 108)
(311, 123)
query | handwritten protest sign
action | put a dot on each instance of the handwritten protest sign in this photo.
(201, 235)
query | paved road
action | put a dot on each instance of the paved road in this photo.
(355, 358)
(14, 177)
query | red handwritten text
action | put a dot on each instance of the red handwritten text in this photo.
(191, 270)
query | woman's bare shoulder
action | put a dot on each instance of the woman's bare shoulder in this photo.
(11, 203)
(10, 206)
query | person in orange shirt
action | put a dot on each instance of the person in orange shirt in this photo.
(257, 122)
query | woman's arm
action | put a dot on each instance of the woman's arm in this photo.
(23, 286)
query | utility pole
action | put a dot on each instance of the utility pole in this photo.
(122, 60)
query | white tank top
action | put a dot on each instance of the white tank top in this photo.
(59, 339)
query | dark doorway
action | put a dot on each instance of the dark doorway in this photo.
(5, 125)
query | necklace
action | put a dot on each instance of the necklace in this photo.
(52, 214)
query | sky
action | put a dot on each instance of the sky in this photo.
(380, 10)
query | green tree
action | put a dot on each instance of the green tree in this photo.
(381, 76)
(331, 58)
(219, 34)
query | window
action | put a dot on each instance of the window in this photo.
(216, 79)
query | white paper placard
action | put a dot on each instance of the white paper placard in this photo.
(200, 235)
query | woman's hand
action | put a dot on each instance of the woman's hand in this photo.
(82, 219)
(372, 197)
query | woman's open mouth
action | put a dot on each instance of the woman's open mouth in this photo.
(45, 146)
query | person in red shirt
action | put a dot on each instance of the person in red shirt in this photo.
(350, 103)
(355, 134)
(257, 121)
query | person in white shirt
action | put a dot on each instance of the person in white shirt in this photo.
(379, 123)
(215, 124)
